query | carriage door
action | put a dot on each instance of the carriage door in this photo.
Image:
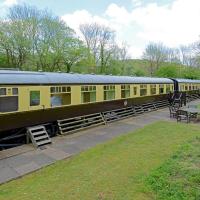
(35, 99)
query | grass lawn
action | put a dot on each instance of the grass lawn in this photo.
(179, 177)
(118, 169)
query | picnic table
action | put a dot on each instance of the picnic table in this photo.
(188, 112)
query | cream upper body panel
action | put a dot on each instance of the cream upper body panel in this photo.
(29, 98)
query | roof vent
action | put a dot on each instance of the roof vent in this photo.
(92, 73)
(59, 71)
(71, 72)
(40, 70)
(110, 74)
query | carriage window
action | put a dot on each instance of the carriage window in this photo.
(186, 88)
(15, 91)
(60, 95)
(8, 100)
(135, 90)
(88, 94)
(34, 98)
(109, 92)
(167, 88)
(125, 91)
(143, 90)
(153, 89)
(53, 89)
(181, 87)
(161, 89)
(2, 91)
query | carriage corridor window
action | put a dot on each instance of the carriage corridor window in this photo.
(34, 98)
(135, 90)
(125, 91)
(167, 88)
(109, 92)
(153, 89)
(143, 90)
(161, 89)
(60, 96)
(14, 91)
(88, 94)
(186, 88)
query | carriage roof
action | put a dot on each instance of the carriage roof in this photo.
(40, 78)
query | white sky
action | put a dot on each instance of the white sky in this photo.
(173, 24)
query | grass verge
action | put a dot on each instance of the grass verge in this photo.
(179, 177)
(113, 170)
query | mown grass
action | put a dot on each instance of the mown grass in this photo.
(179, 177)
(113, 170)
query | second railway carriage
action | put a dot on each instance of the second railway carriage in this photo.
(186, 85)
(31, 98)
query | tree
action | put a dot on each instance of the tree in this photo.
(167, 71)
(73, 52)
(196, 53)
(173, 55)
(90, 34)
(188, 57)
(155, 53)
(37, 40)
(23, 25)
(54, 37)
(121, 55)
(100, 41)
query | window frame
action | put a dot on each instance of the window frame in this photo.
(143, 87)
(30, 102)
(135, 90)
(63, 92)
(11, 97)
(109, 89)
(91, 89)
(153, 86)
(163, 87)
(4, 89)
(168, 88)
(124, 89)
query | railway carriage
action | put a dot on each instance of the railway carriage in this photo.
(30, 98)
(34, 98)
(186, 85)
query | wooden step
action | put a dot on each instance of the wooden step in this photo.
(38, 136)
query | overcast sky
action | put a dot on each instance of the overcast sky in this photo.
(137, 22)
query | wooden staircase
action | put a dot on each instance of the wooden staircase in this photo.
(38, 136)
